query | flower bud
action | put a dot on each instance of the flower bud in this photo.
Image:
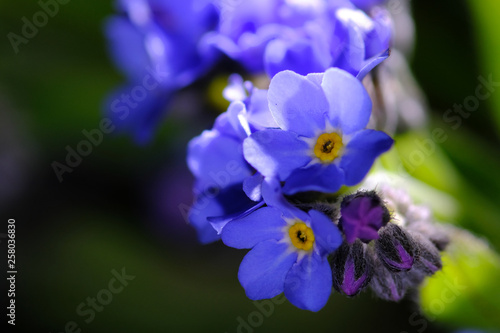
(388, 285)
(429, 261)
(352, 268)
(396, 248)
(362, 215)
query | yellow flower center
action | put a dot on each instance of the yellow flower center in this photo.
(302, 236)
(328, 147)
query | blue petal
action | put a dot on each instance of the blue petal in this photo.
(327, 235)
(317, 177)
(125, 46)
(219, 222)
(361, 152)
(316, 78)
(308, 284)
(299, 56)
(263, 271)
(235, 89)
(258, 111)
(203, 207)
(350, 104)
(235, 113)
(252, 186)
(366, 4)
(216, 160)
(372, 63)
(273, 196)
(263, 224)
(230, 202)
(379, 38)
(348, 47)
(274, 152)
(297, 104)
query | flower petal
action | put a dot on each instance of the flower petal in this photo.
(274, 152)
(123, 40)
(298, 55)
(297, 104)
(258, 114)
(263, 224)
(348, 47)
(235, 89)
(350, 104)
(308, 285)
(371, 63)
(225, 203)
(263, 271)
(219, 222)
(327, 235)
(252, 186)
(273, 196)
(204, 206)
(361, 152)
(216, 160)
(317, 177)
(235, 113)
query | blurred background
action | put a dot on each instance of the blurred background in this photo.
(122, 207)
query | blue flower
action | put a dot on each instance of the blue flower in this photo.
(247, 26)
(163, 46)
(215, 158)
(226, 186)
(321, 143)
(289, 250)
(367, 4)
(303, 36)
(360, 42)
(159, 47)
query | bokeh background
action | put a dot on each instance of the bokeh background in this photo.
(120, 207)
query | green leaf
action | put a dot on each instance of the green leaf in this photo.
(487, 25)
(465, 293)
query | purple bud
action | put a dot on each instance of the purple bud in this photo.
(396, 248)
(388, 285)
(362, 215)
(429, 261)
(352, 268)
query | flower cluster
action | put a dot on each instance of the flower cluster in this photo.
(303, 36)
(272, 173)
(158, 45)
(268, 176)
(391, 255)
(164, 46)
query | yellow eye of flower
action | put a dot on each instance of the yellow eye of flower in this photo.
(302, 236)
(328, 147)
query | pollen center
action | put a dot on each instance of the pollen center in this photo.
(302, 236)
(328, 147)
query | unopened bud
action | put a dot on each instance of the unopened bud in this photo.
(352, 268)
(396, 248)
(362, 215)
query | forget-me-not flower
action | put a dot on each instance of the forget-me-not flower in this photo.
(158, 45)
(303, 36)
(225, 184)
(322, 142)
(289, 250)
